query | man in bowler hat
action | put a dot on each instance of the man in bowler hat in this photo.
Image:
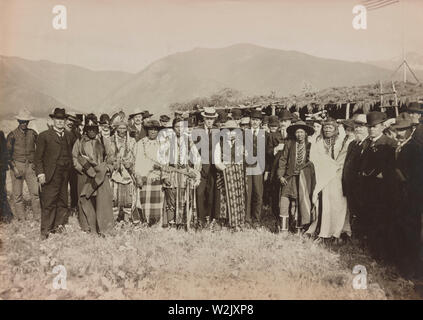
(53, 161)
(376, 172)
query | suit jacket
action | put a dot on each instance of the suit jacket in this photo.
(409, 162)
(350, 170)
(47, 152)
(134, 133)
(377, 159)
(418, 135)
(208, 168)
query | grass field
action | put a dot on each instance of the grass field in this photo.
(156, 263)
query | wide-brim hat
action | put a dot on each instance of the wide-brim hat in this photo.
(256, 114)
(71, 116)
(245, 121)
(300, 125)
(285, 115)
(415, 107)
(90, 121)
(58, 113)
(348, 123)
(375, 117)
(105, 119)
(151, 124)
(209, 112)
(236, 114)
(273, 121)
(360, 119)
(137, 111)
(24, 115)
(146, 114)
(164, 118)
(230, 124)
(402, 123)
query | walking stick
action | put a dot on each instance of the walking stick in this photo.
(135, 219)
(189, 211)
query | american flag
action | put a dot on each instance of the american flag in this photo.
(377, 4)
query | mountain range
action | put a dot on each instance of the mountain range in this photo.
(253, 70)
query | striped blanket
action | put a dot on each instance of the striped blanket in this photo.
(231, 186)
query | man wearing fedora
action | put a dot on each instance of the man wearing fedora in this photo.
(205, 194)
(136, 129)
(236, 114)
(350, 178)
(254, 171)
(21, 149)
(53, 161)
(415, 111)
(165, 121)
(376, 174)
(409, 183)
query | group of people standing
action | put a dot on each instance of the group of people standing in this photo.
(324, 178)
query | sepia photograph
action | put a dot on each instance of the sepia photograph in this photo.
(211, 154)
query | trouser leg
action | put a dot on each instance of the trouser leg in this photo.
(257, 197)
(170, 194)
(32, 183)
(201, 200)
(275, 198)
(49, 197)
(73, 183)
(5, 212)
(17, 190)
(62, 201)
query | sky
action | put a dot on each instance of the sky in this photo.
(128, 35)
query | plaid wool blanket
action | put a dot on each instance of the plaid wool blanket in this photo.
(151, 200)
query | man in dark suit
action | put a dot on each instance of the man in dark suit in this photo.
(53, 161)
(376, 172)
(409, 184)
(206, 189)
(255, 142)
(350, 178)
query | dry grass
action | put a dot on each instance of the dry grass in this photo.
(153, 263)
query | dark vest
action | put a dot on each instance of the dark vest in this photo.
(23, 145)
(64, 155)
